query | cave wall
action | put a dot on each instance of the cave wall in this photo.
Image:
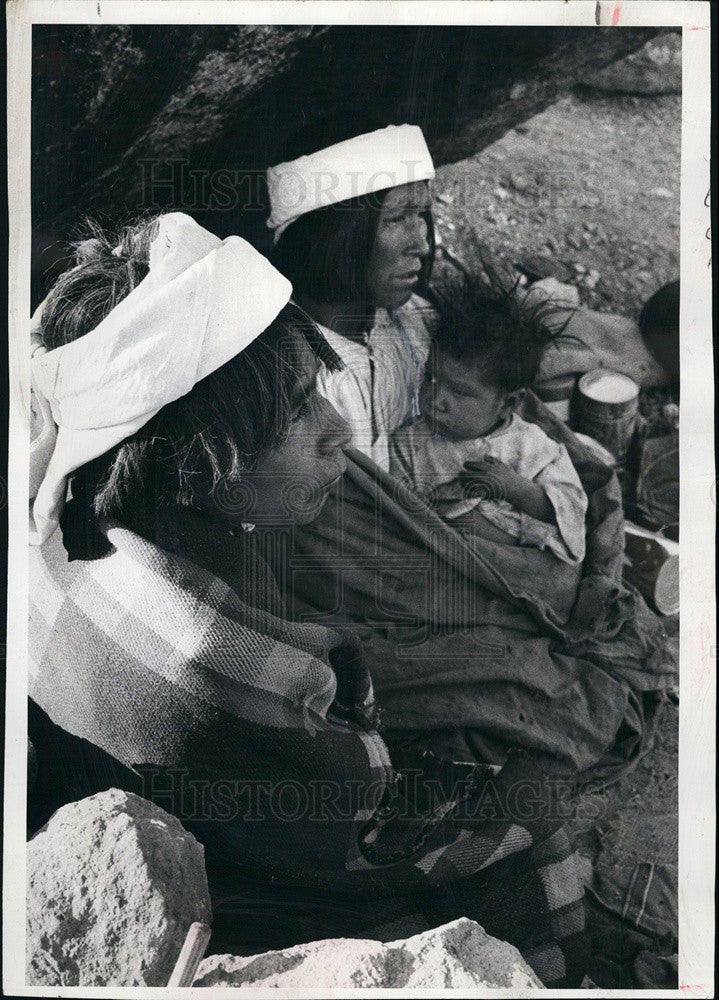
(129, 119)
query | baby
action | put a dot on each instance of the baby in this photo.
(469, 448)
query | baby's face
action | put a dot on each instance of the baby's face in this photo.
(457, 402)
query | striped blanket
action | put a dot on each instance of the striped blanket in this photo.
(259, 734)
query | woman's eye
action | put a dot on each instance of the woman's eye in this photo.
(405, 216)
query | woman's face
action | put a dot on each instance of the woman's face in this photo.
(290, 483)
(400, 245)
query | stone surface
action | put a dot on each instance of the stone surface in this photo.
(113, 884)
(119, 128)
(655, 69)
(459, 955)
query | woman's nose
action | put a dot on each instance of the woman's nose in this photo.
(334, 430)
(440, 399)
(418, 242)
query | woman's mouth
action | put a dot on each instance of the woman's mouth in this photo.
(437, 424)
(331, 482)
(409, 278)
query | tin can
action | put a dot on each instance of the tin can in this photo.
(608, 409)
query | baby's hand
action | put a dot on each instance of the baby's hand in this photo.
(489, 478)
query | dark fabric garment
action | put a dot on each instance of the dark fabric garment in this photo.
(625, 958)
(476, 647)
(259, 734)
(635, 871)
(643, 893)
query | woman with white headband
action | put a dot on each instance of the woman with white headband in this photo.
(353, 231)
(175, 410)
(352, 225)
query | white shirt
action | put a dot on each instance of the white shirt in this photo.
(377, 390)
(429, 461)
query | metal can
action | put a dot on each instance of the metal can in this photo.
(608, 409)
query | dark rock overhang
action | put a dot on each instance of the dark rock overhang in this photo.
(136, 118)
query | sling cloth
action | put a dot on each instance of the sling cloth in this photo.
(476, 645)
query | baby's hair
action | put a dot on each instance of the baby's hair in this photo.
(484, 322)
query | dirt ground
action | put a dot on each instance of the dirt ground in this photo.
(593, 183)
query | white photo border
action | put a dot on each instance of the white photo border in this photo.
(698, 490)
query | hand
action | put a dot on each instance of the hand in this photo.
(489, 478)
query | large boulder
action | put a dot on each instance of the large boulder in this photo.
(459, 955)
(113, 885)
(132, 118)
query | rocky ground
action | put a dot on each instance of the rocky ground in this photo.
(593, 184)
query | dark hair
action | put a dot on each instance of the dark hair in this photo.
(484, 323)
(659, 324)
(107, 268)
(218, 429)
(325, 253)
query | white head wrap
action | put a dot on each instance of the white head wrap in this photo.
(372, 162)
(203, 301)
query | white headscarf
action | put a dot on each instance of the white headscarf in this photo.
(367, 163)
(203, 301)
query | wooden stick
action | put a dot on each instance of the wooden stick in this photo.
(190, 957)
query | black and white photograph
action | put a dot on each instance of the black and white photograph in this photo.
(352, 623)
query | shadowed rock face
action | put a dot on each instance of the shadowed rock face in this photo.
(655, 69)
(138, 118)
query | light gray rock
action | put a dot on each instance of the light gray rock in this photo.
(459, 955)
(113, 884)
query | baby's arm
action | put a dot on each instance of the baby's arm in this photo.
(562, 485)
(495, 480)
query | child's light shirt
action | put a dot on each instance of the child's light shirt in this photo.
(433, 463)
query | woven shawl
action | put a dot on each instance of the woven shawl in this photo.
(257, 732)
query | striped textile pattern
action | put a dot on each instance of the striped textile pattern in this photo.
(161, 664)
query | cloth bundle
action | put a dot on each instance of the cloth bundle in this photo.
(476, 647)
